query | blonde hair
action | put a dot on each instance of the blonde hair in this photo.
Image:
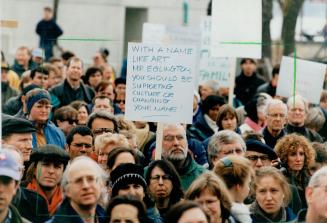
(106, 139)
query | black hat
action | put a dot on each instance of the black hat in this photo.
(124, 174)
(11, 125)
(210, 102)
(257, 146)
(50, 152)
(120, 80)
(245, 59)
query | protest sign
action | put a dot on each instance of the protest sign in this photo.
(237, 28)
(309, 79)
(211, 68)
(160, 83)
(162, 34)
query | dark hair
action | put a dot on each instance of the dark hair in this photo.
(275, 71)
(177, 192)
(64, 113)
(223, 112)
(321, 152)
(78, 104)
(177, 210)
(244, 60)
(103, 115)
(139, 205)
(47, 8)
(67, 55)
(81, 130)
(40, 69)
(102, 97)
(89, 72)
(210, 102)
(103, 85)
(115, 152)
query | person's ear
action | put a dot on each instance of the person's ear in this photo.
(308, 194)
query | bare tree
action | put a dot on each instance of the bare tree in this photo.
(291, 10)
(267, 6)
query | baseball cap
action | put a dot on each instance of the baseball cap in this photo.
(8, 165)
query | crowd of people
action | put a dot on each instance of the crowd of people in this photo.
(68, 154)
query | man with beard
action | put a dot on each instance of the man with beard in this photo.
(82, 182)
(297, 113)
(175, 150)
(45, 173)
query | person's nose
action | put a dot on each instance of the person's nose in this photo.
(160, 181)
(259, 163)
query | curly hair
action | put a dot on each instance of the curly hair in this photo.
(291, 143)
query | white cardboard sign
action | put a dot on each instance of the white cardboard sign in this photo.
(309, 79)
(236, 28)
(211, 68)
(160, 80)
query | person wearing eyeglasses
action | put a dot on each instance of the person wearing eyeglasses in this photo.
(224, 143)
(80, 142)
(45, 173)
(164, 185)
(276, 113)
(81, 183)
(65, 118)
(38, 107)
(101, 122)
(259, 154)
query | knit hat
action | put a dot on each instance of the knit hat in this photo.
(11, 125)
(125, 174)
(50, 152)
(210, 102)
(257, 146)
(30, 101)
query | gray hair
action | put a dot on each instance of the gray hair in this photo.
(213, 84)
(82, 160)
(275, 102)
(167, 126)
(222, 138)
(297, 98)
(315, 179)
(102, 115)
(315, 119)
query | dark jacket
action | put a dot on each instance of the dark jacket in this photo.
(48, 32)
(19, 69)
(323, 131)
(200, 129)
(13, 105)
(261, 218)
(7, 92)
(267, 88)
(14, 216)
(66, 214)
(301, 216)
(307, 133)
(271, 140)
(31, 205)
(65, 94)
(246, 87)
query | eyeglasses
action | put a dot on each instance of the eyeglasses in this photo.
(263, 158)
(81, 145)
(100, 131)
(277, 115)
(119, 101)
(157, 178)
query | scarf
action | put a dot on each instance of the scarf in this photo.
(253, 125)
(241, 212)
(141, 134)
(56, 197)
(261, 216)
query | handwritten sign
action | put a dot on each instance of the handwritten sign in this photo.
(211, 68)
(162, 34)
(237, 28)
(160, 82)
(309, 79)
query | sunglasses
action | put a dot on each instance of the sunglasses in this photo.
(120, 101)
(100, 131)
(81, 145)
